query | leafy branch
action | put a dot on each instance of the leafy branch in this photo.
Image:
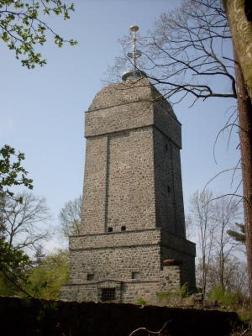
(23, 27)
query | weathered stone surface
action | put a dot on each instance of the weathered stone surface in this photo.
(133, 213)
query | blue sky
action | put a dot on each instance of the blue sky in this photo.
(42, 110)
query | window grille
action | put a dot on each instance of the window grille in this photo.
(108, 294)
(90, 276)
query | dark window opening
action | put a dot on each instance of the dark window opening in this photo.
(123, 228)
(90, 276)
(166, 147)
(135, 275)
(168, 189)
(110, 229)
(108, 294)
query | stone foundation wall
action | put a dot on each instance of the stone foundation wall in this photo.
(131, 291)
(115, 263)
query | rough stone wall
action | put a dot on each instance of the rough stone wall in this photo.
(168, 183)
(182, 250)
(116, 264)
(170, 279)
(164, 183)
(116, 239)
(119, 182)
(131, 201)
(94, 194)
(112, 265)
(187, 267)
(166, 121)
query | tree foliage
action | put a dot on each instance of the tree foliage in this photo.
(46, 279)
(13, 262)
(24, 27)
(12, 173)
(13, 270)
(238, 236)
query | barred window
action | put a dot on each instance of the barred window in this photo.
(90, 276)
(108, 294)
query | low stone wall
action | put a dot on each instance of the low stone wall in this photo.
(57, 318)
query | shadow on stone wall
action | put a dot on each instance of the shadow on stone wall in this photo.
(57, 318)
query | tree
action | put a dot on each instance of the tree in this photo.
(226, 211)
(203, 221)
(46, 279)
(211, 220)
(23, 221)
(235, 277)
(13, 269)
(70, 217)
(13, 262)
(24, 27)
(240, 18)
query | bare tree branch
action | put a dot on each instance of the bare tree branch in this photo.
(24, 222)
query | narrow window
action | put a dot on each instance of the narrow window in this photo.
(135, 275)
(168, 189)
(166, 147)
(123, 228)
(110, 229)
(108, 294)
(90, 276)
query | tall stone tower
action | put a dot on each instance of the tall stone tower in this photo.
(132, 242)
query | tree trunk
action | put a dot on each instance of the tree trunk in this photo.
(241, 30)
(245, 121)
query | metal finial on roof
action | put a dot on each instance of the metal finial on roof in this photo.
(134, 55)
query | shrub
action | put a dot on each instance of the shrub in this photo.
(224, 297)
(174, 297)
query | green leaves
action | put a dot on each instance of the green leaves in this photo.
(23, 28)
(13, 269)
(5, 37)
(12, 173)
(46, 280)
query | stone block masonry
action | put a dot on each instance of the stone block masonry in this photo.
(133, 213)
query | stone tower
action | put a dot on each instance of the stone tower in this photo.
(132, 242)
